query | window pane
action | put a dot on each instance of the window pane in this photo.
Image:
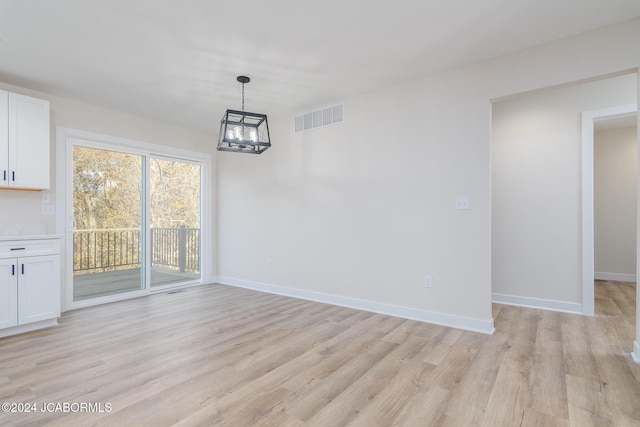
(175, 221)
(107, 208)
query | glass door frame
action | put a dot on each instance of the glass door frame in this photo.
(66, 138)
(147, 223)
(142, 283)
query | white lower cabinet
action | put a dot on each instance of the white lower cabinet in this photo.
(29, 285)
(8, 293)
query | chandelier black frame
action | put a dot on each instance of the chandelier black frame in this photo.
(242, 131)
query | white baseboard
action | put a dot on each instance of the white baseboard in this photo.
(619, 277)
(449, 320)
(636, 352)
(28, 327)
(544, 304)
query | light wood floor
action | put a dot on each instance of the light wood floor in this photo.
(216, 355)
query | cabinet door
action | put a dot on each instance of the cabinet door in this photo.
(8, 293)
(4, 138)
(38, 288)
(29, 142)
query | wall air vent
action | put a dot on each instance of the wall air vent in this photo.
(321, 118)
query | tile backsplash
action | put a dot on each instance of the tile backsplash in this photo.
(22, 229)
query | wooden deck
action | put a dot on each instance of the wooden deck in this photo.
(93, 285)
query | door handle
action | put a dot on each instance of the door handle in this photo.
(71, 224)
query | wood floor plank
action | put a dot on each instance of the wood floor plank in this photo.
(224, 356)
(547, 386)
(588, 403)
(318, 393)
(508, 400)
(424, 408)
(386, 406)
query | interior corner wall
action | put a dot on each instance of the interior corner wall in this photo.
(365, 209)
(615, 203)
(536, 188)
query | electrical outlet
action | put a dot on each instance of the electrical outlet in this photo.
(48, 209)
(428, 281)
(46, 198)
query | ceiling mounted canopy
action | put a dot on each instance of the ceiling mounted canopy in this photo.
(244, 132)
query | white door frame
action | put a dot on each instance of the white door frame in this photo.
(588, 267)
(65, 138)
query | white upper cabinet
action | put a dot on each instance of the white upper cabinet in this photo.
(24, 142)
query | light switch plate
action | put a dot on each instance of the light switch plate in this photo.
(462, 203)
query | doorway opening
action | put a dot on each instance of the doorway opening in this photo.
(589, 121)
(538, 196)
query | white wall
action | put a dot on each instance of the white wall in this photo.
(358, 213)
(536, 242)
(615, 200)
(25, 206)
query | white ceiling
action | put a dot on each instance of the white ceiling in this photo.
(177, 61)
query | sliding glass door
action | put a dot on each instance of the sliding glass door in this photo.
(108, 214)
(137, 222)
(175, 221)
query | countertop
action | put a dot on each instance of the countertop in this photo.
(29, 237)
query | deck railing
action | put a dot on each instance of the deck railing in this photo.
(176, 247)
(121, 248)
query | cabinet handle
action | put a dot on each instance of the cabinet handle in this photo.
(22, 268)
(18, 249)
(4, 176)
(13, 269)
(13, 176)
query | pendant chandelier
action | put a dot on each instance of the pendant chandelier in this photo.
(244, 132)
